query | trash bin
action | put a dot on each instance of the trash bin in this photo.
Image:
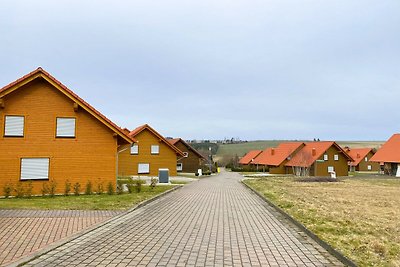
(163, 176)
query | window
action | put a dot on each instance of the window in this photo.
(336, 157)
(366, 159)
(326, 157)
(369, 167)
(143, 168)
(35, 168)
(14, 126)
(155, 149)
(179, 167)
(185, 154)
(65, 127)
(134, 149)
(331, 169)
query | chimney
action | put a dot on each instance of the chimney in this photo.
(314, 152)
(272, 151)
(358, 155)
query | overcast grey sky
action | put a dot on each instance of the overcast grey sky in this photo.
(271, 69)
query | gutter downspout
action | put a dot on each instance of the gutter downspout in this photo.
(117, 159)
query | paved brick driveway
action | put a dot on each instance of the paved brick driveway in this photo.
(213, 222)
(25, 231)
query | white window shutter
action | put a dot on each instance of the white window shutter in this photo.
(14, 126)
(65, 127)
(143, 168)
(134, 149)
(34, 168)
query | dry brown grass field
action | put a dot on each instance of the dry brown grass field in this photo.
(358, 216)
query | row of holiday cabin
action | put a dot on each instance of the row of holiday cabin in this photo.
(310, 159)
(48, 133)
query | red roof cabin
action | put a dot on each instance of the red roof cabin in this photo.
(388, 156)
(361, 159)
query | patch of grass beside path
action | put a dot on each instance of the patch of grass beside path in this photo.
(359, 217)
(84, 202)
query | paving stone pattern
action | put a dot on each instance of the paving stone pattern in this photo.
(25, 231)
(213, 222)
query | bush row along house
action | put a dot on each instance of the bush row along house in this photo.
(388, 156)
(311, 158)
(47, 132)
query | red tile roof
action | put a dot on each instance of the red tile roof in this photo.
(249, 157)
(174, 141)
(139, 129)
(276, 156)
(41, 73)
(311, 152)
(357, 154)
(389, 152)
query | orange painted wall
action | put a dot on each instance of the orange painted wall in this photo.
(128, 164)
(91, 156)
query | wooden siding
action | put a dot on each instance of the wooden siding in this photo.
(192, 162)
(90, 156)
(320, 168)
(128, 164)
(363, 166)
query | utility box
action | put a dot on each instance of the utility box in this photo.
(163, 176)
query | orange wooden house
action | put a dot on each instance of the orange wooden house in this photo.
(50, 133)
(274, 159)
(150, 153)
(388, 156)
(361, 159)
(320, 159)
(192, 159)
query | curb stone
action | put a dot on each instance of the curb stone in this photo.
(313, 236)
(59, 243)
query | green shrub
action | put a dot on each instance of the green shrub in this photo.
(7, 189)
(138, 184)
(153, 182)
(52, 188)
(110, 188)
(100, 188)
(45, 189)
(89, 188)
(120, 187)
(77, 189)
(19, 190)
(67, 188)
(29, 189)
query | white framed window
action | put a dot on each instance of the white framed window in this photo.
(65, 127)
(14, 126)
(331, 169)
(134, 149)
(369, 167)
(366, 159)
(185, 154)
(155, 149)
(143, 168)
(336, 157)
(325, 157)
(179, 167)
(35, 168)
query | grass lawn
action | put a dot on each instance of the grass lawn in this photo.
(359, 217)
(84, 202)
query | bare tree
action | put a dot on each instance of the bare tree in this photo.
(303, 168)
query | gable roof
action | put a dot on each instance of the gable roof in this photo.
(357, 154)
(389, 152)
(140, 129)
(306, 157)
(175, 141)
(40, 73)
(249, 157)
(276, 156)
